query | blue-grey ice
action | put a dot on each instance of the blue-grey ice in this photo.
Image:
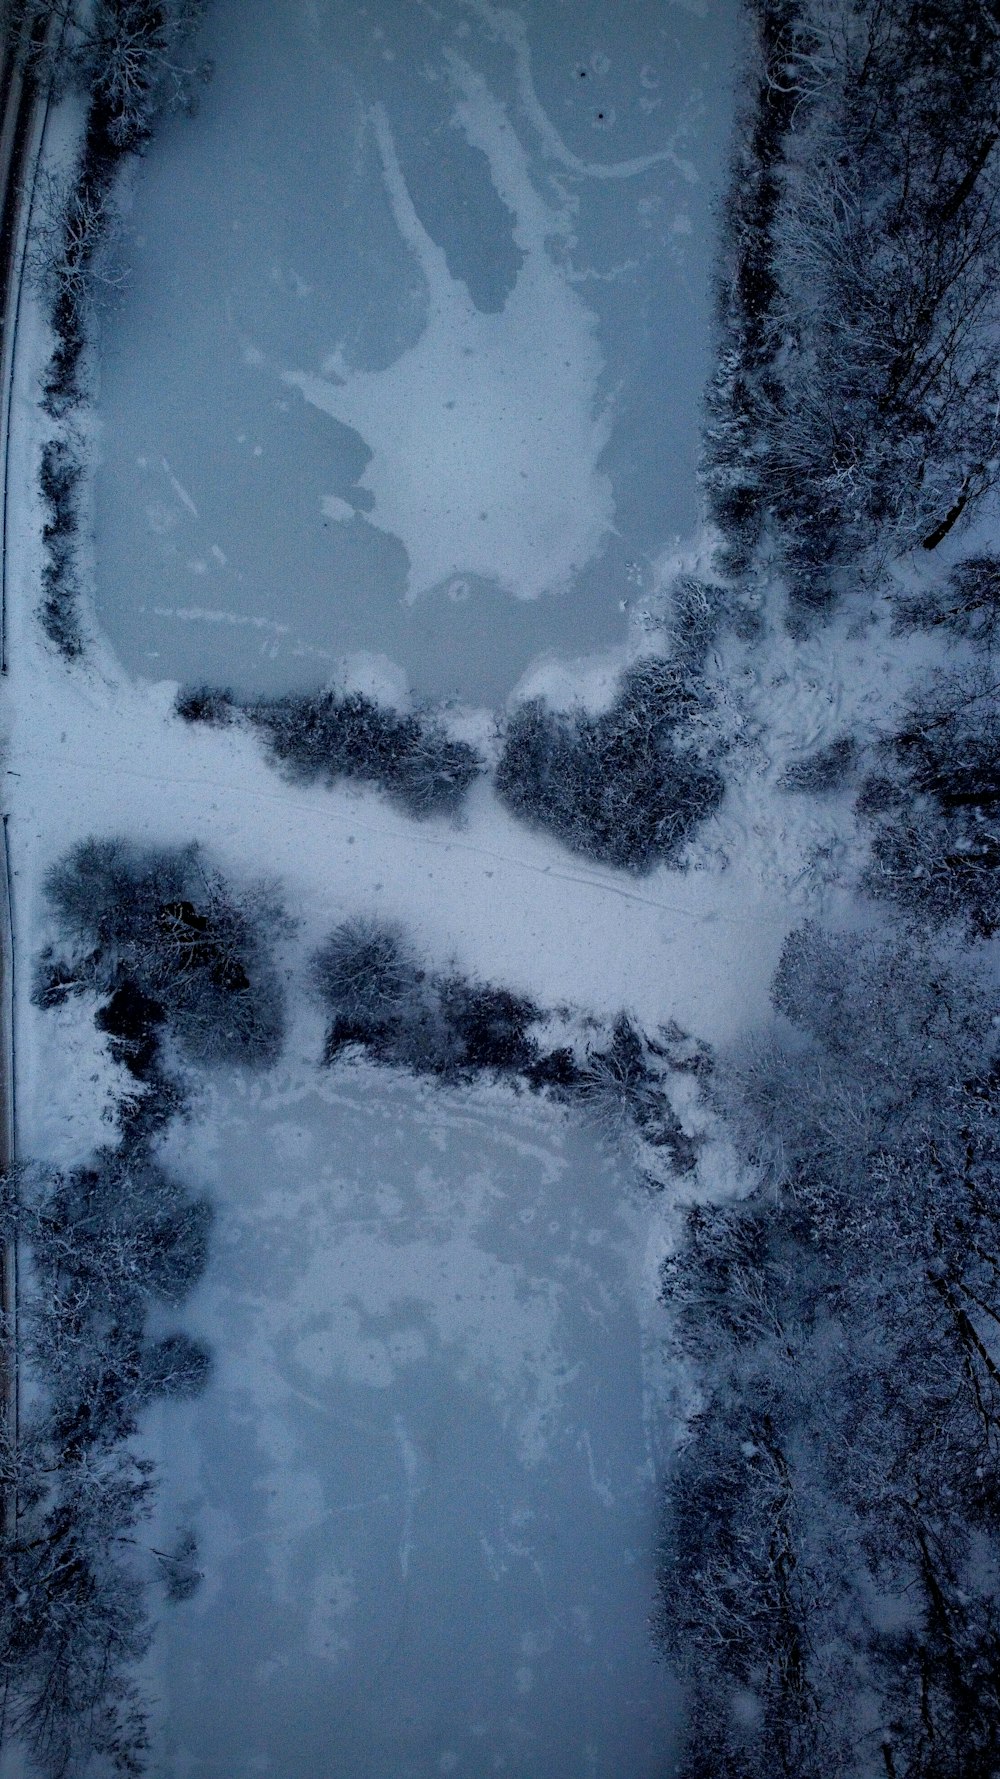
(411, 348)
(423, 1474)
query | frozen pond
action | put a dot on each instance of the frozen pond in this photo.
(421, 1476)
(411, 351)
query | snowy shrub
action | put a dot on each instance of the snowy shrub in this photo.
(369, 980)
(831, 1547)
(175, 1366)
(60, 475)
(457, 1029)
(329, 736)
(367, 977)
(967, 603)
(127, 57)
(827, 769)
(106, 1241)
(697, 609)
(72, 1621)
(122, 1226)
(934, 812)
(743, 390)
(205, 704)
(621, 787)
(489, 1026)
(169, 926)
(625, 1090)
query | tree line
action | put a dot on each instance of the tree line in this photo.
(179, 968)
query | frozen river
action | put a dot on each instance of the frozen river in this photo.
(422, 1475)
(412, 344)
(408, 363)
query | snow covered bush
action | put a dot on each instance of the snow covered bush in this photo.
(622, 1085)
(168, 925)
(328, 736)
(128, 57)
(934, 811)
(106, 1241)
(381, 1000)
(368, 979)
(60, 476)
(627, 786)
(831, 1545)
(828, 769)
(73, 1626)
(743, 392)
(454, 1028)
(213, 705)
(967, 604)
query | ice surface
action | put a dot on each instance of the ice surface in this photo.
(421, 1471)
(411, 351)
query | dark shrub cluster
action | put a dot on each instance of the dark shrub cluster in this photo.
(170, 950)
(127, 57)
(828, 769)
(164, 935)
(934, 808)
(107, 1241)
(831, 1549)
(381, 1001)
(698, 609)
(626, 786)
(967, 603)
(855, 400)
(328, 736)
(213, 705)
(743, 394)
(623, 1084)
(59, 479)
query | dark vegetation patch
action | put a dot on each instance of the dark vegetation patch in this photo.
(163, 934)
(212, 705)
(831, 1545)
(967, 604)
(324, 737)
(629, 786)
(854, 407)
(933, 807)
(181, 965)
(828, 769)
(382, 1002)
(128, 58)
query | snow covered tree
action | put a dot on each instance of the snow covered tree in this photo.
(629, 785)
(832, 1541)
(934, 808)
(165, 922)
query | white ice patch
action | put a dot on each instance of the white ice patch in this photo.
(485, 435)
(334, 508)
(376, 677)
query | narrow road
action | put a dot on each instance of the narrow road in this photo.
(19, 135)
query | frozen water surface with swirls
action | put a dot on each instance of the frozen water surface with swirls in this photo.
(410, 349)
